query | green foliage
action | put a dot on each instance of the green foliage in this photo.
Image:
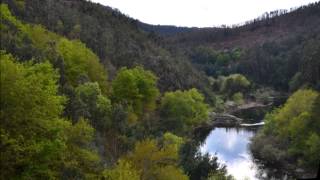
(214, 62)
(222, 176)
(114, 37)
(29, 41)
(295, 82)
(123, 171)
(292, 130)
(182, 110)
(41, 38)
(149, 161)
(28, 95)
(310, 73)
(79, 160)
(137, 89)
(170, 173)
(312, 151)
(7, 16)
(35, 142)
(80, 61)
(198, 165)
(235, 83)
(238, 98)
(172, 141)
(268, 149)
(153, 161)
(93, 105)
(14, 36)
(292, 113)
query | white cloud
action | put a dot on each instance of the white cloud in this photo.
(243, 168)
(231, 142)
(201, 13)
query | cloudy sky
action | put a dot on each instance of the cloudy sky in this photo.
(199, 13)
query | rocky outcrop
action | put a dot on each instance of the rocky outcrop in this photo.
(251, 112)
(225, 120)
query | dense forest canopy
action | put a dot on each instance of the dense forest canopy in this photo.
(270, 50)
(89, 93)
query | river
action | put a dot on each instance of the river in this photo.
(230, 145)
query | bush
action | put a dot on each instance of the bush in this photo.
(235, 83)
(238, 98)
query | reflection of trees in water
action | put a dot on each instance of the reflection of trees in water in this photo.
(200, 134)
(266, 173)
(252, 130)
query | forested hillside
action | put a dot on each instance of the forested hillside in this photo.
(63, 117)
(278, 49)
(270, 50)
(114, 37)
(89, 93)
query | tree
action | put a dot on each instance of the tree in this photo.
(80, 61)
(36, 143)
(310, 72)
(79, 160)
(122, 171)
(93, 105)
(311, 153)
(30, 110)
(198, 165)
(170, 173)
(181, 110)
(155, 162)
(238, 98)
(170, 140)
(292, 132)
(136, 88)
(235, 83)
(34, 41)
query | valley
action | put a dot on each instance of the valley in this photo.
(88, 92)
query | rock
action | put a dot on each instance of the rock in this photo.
(252, 112)
(226, 120)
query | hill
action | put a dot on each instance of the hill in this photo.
(89, 93)
(114, 37)
(271, 50)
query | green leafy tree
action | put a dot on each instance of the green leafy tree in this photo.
(30, 110)
(198, 165)
(122, 171)
(312, 151)
(79, 160)
(235, 83)
(310, 73)
(155, 162)
(93, 105)
(292, 132)
(36, 143)
(34, 41)
(182, 110)
(238, 98)
(170, 173)
(80, 61)
(137, 89)
(172, 141)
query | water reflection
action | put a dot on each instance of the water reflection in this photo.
(231, 147)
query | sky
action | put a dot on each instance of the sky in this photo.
(199, 13)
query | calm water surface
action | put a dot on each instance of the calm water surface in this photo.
(231, 147)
